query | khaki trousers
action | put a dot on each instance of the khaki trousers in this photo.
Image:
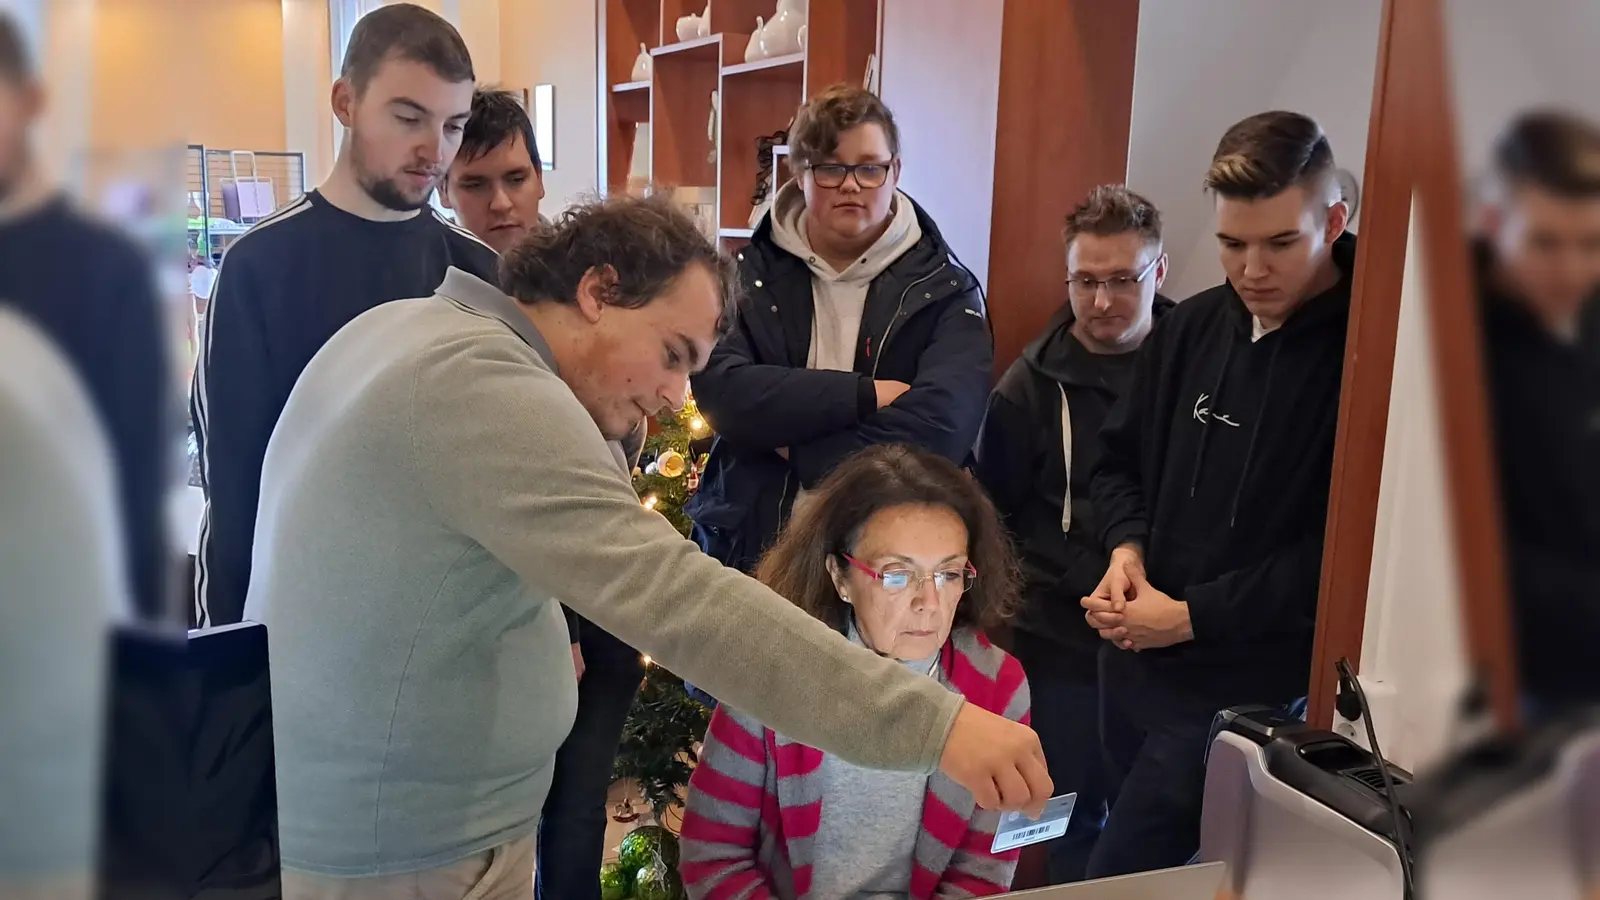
(504, 873)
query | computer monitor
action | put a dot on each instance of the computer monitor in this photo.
(190, 804)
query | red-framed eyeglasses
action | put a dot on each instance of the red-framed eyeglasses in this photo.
(898, 581)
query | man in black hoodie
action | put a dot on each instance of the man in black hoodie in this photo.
(1037, 450)
(1212, 489)
(1539, 273)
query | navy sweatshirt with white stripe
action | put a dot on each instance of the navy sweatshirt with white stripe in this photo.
(284, 289)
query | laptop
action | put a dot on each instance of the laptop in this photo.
(1198, 882)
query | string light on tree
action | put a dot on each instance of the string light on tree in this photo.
(658, 751)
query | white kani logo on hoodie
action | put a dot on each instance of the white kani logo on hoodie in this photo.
(1202, 413)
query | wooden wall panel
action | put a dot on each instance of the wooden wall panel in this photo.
(1385, 217)
(1065, 104)
(1412, 152)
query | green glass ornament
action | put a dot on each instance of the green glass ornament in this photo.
(616, 882)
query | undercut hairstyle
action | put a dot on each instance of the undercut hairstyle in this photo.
(1113, 209)
(408, 32)
(16, 62)
(1271, 152)
(816, 129)
(497, 117)
(1551, 150)
(640, 246)
(880, 477)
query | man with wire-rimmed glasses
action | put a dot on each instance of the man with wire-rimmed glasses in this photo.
(1036, 454)
(859, 328)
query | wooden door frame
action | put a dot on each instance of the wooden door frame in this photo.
(1412, 153)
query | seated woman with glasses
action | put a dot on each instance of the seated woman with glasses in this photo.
(903, 552)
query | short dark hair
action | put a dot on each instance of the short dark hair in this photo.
(1552, 150)
(837, 109)
(878, 478)
(16, 62)
(405, 31)
(648, 242)
(497, 117)
(1113, 209)
(1270, 152)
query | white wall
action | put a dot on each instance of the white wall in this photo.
(1505, 58)
(553, 42)
(946, 116)
(1413, 663)
(1201, 67)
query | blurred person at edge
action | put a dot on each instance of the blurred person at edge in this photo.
(364, 237)
(419, 681)
(1212, 488)
(61, 584)
(1036, 455)
(1538, 258)
(494, 187)
(91, 291)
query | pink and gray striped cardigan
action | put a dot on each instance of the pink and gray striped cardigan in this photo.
(754, 804)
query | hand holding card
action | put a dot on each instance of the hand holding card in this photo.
(1017, 830)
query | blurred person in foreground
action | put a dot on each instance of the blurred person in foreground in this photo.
(91, 291)
(61, 585)
(366, 236)
(1036, 455)
(495, 187)
(439, 478)
(1212, 488)
(903, 554)
(496, 181)
(1538, 261)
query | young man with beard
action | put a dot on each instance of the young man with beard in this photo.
(365, 237)
(1539, 272)
(1212, 489)
(91, 291)
(495, 183)
(494, 187)
(1036, 455)
(859, 328)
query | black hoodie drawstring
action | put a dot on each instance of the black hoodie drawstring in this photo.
(1205, 432)
(1255, 431)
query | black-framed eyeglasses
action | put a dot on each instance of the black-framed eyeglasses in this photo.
(868, 175)
(1087, 288)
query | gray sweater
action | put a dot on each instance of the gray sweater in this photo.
(431, 486)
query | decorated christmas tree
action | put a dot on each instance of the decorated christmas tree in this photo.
(665, 724)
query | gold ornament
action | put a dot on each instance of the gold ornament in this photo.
(671, 464)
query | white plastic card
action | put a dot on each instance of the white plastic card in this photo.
(1017, 830)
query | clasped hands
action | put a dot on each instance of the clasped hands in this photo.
(1132, 614)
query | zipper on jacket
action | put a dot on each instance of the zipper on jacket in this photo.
(899, 307)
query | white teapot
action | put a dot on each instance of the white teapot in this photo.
(754, 51)
(641, 65)
(782, 34)
(692, 26)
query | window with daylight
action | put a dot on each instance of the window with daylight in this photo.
(342, 18)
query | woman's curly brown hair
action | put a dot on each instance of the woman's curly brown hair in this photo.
(832, 518)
